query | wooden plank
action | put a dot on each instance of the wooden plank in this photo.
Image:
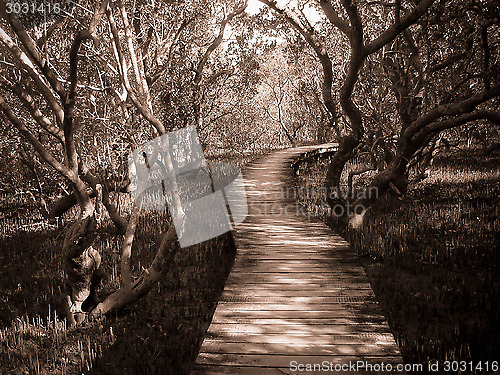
(353, 349)
(290, 314)
(255, 287)
(278, 258)
(340, 271)
(286, 257)
(293, 277)
(307, 292)
(314, 340)
(271, 360)
(286, 269)
(298, 329)
(274, 307)
(232, 370)
(300, 321)
(305, 301)
(258, 281)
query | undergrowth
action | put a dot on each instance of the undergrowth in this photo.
(432, 258)
(159, 334)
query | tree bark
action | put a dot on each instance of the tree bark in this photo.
(131, 291)
(82, 261)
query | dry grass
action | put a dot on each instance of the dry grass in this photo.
(160, 334)
(433, 259)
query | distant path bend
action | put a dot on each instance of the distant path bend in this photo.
(296, 292)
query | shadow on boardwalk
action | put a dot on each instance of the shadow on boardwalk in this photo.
(296, 294)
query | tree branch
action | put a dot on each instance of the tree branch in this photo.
(397, 28)
(45, 37)
(116, 218)
(42, 151)
(128, 240)
(333, 16)
(356, 61)
(99, 12)
(312, 39)
(143, 284)
(136, 63)
(439, 126)
(32, 50)
(216, 43)
(453, 109)
(356, 172)
(24, 63)
(143, 110)
(450, 60)
(164, 68)
(69, 103)
(30, 105)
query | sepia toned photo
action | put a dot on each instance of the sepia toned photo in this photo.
(249, 187)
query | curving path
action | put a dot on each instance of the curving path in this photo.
(296, 291)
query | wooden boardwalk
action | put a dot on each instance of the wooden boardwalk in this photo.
(296, 291)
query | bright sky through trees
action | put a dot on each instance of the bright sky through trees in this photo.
(254, 7)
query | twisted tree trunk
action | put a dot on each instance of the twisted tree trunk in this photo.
(82, 265)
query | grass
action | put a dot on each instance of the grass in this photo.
(433, 259)
(159, 334)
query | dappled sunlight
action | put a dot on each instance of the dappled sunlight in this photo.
(296, 289)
